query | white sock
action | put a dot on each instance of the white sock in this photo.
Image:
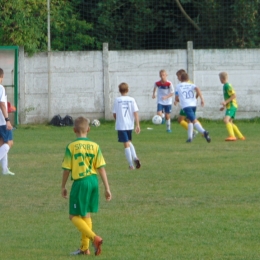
(132, 148)
(199, 127)
(190, 130)
(4, 150)
(4, 163)
(168, 124)
(128, 156)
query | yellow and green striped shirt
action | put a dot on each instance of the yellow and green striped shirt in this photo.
(228, 91)
(82, 157)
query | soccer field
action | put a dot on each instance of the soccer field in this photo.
(188, 200)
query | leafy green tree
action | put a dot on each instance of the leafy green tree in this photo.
(145, 24)
(130, 24)
(24, 23)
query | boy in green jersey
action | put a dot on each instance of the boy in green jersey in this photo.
(230, 104)
(83, 159)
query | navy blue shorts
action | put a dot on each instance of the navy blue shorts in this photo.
(166, 108)
(124, 136)
(190, 113)
(7, 135)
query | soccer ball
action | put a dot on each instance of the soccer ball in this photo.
(95, 123)
(157, 120)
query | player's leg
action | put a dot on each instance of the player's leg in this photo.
(159, 109)
(237, 132)
(200, 129)
(168, 110)
(85, 240)
(84, 197)
(6, 142)
(163, 116)
(235, 128)
(128, 155)
(125, 137)
(134, 156)
(191, 115)
(190, 131)
(182, 119)
(84, 247)
(161, 112)
(228, 122)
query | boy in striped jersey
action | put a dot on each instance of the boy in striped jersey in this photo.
(83, 160)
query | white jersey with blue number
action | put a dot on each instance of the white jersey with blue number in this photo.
(124, 108)
(187, 94)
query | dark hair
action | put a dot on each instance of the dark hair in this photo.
(184, 77)
(1, 73)
(179, 72)
(123, 88)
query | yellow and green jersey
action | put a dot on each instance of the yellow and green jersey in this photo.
(82, 157)
(228, 91)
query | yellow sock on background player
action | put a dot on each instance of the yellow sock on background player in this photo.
(85, 240)
(238, 133)
(83, 227)
(230, 130)
(184, 124)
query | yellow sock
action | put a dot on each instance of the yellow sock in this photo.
(230, 129)
(184, 124)
(84, 239)
(237, 132)
(83, 227)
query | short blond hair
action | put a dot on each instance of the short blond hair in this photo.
(162, 71)
(123, 88)
(81, 124)
(223, 75)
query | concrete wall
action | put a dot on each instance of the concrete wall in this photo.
(86, 83)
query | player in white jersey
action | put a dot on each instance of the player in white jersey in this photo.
(125, 112)
(165, 92)
(6, 135)
(186, 95)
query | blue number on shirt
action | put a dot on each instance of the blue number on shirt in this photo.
(189, 94)
(82, 165)
(126, 108)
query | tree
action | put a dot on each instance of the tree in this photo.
(24, 23)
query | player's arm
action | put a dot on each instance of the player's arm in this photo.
(65, 176)
(199, 94)
(170, 94)
(137, 124)
(104, 179)
(176, 98)
(167, 96)
(114, 115)
(224, 103)
(5, 114)
(154, 91)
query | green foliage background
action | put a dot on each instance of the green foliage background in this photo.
(130, 24)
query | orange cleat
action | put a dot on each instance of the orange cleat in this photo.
(231, 138)
(97, 242)
(242, 138)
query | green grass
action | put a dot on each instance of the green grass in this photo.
(188, 201)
